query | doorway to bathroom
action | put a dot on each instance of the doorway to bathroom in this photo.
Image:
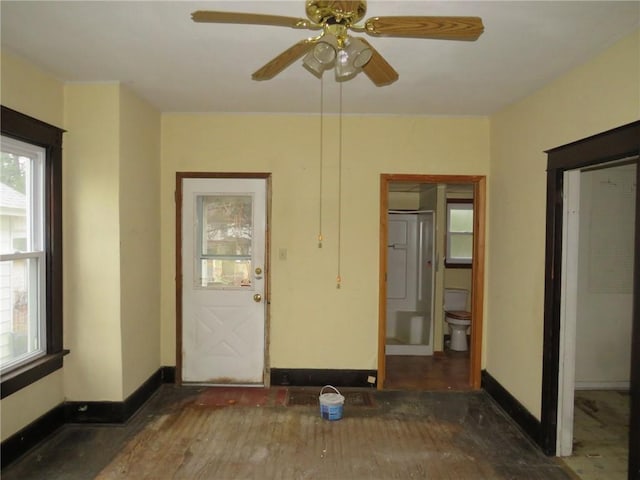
(413, 342)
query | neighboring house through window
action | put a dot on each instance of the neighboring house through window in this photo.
(30, 250)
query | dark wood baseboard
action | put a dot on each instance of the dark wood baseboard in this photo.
(314, 377)
(82, 412)
(114, 412)
(168, 374)
(529, 424)
(18, 443)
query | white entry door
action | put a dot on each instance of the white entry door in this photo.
(223, 280)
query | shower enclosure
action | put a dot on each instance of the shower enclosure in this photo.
(410, 282)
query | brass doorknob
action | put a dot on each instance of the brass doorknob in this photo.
(258, 271)
(257, 297)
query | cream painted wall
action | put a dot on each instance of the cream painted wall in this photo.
(313, 324)
(597, 96)
(29, 90)
(139, 191)
(93, 369)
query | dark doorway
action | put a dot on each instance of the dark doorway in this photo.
(616, 144)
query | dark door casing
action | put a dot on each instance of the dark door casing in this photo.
(619, 143)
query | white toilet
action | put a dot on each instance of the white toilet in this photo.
(457, 316)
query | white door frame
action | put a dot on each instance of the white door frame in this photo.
(178, 265)
(568, 312)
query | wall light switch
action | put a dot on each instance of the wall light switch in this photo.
(282, 254)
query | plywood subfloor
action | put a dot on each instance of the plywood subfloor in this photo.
(600, 435)
(402, 435)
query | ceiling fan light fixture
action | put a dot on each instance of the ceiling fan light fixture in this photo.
(359, 52)
(325, 50)
(322, 56)
(336, 19)
(345, 69)
(350, 60)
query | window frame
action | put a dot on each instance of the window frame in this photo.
(36, 132)
(448, 262)
(33, 249)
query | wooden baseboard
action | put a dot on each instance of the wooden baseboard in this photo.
(312, 377)
(529, 424)
(117, 412)
(81, 412)
(18, 443)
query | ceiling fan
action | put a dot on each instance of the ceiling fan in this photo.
(334, 47)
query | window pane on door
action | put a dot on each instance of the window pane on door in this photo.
(227, 225)
(226, 238)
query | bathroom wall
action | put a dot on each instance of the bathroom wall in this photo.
(605, 277)
(404, 201)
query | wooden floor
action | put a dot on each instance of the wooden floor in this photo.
(202, 433)
(600, 435)
(444, 371)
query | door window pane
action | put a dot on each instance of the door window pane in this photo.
(225, 240)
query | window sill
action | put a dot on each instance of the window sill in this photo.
(457, 265)
(30, 373)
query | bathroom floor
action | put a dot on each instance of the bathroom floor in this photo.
(600, 435)
(187, 433)
(447, 371)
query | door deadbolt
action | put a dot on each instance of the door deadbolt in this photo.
(258, 271)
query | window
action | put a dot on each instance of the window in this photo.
(459, 233)
(22, 269)
(224, 240)
(30, 250)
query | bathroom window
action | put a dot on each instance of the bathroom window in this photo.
(459, 249)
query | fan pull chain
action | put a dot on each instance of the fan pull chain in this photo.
(321, 160)
(339, 278)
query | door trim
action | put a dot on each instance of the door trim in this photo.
(611, 145)
(178, 266)
(477, 275)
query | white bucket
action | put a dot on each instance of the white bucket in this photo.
(331, 404)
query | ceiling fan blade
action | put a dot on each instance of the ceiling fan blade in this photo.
(445, 28)
(282, 61)
(378, 69)
(207, 16)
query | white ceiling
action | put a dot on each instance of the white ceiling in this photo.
(181, 66)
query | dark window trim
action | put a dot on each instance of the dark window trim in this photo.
(448, 264)
(28, 129)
